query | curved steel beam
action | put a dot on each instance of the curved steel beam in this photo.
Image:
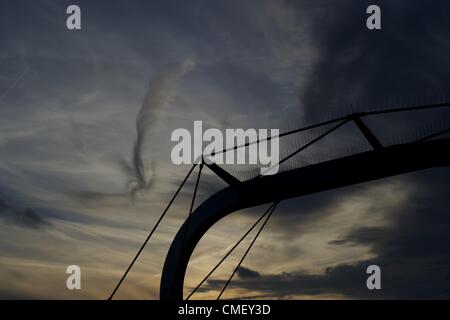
(358, 168)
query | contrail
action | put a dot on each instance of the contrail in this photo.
(159, 93)
(13, 85)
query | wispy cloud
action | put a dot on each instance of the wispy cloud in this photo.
(159, 94)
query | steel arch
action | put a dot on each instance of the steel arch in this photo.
(367, 166)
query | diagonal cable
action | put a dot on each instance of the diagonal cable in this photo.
(307, 145)
(192, 204)
(229, 252)
(153, 230)
(287, 133)
(434, 135)
(248, 249)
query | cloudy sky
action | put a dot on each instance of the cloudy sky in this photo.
(85, 124)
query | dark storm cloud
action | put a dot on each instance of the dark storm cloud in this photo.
(406, 60)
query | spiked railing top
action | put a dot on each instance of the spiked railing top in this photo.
(350, 116)
(355, 117)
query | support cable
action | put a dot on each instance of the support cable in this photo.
(307, 145)
(153, 230)
(230, 251)
(248, 249)
(192, 205)
(434, 135)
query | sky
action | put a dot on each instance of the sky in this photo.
(85, 124)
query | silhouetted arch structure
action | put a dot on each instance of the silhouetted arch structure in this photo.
(379, 163)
